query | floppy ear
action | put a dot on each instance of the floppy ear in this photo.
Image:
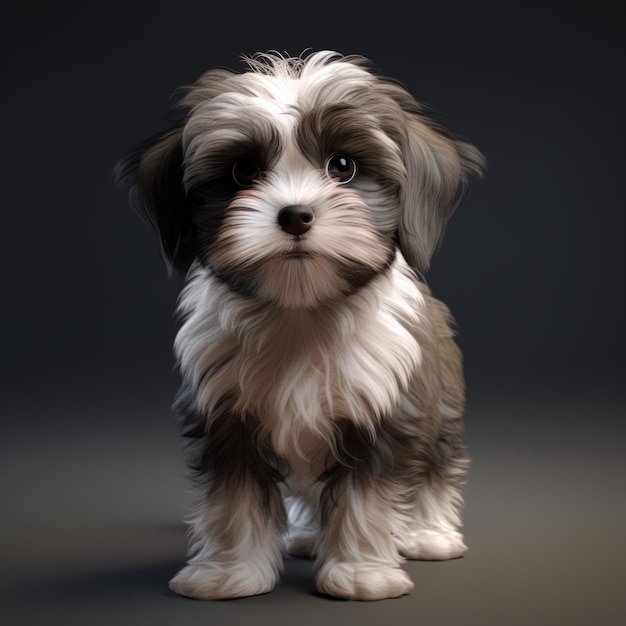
(438, 169)
(153, 177)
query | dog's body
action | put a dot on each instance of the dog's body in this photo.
(323, 391)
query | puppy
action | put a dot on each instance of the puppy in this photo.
(322, 391)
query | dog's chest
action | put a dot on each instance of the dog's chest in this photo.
(308, 378)
(299, 373)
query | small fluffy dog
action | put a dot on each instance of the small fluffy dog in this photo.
(323, 391)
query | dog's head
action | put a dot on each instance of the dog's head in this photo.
(298, 180)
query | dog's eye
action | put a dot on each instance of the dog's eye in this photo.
(245, 172)
(341, 168)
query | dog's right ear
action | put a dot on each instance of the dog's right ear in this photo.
(153, 178)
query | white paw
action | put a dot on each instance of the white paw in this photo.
(219, 581)
(432, 545)
(362, 581)
(301, 544)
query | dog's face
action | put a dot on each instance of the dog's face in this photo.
(297, 181)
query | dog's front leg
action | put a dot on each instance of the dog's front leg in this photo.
(236, 532)
(357, 557)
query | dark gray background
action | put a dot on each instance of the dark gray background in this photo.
(532, 267)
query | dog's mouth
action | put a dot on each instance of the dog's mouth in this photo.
(297, 254)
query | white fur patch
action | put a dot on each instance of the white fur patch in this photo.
(353, 365)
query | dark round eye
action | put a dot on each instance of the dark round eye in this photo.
(341, 168)
(245, 172)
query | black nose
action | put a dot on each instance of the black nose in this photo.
(295, 219)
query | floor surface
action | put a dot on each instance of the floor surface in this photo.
(96, 492)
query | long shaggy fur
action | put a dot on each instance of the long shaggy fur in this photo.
(322, 393)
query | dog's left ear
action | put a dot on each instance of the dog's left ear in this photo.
(153, 177)
(439, 167)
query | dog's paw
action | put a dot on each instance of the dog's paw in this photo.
(302, 545)
(432, 545)
(362, 581)
(220, 581)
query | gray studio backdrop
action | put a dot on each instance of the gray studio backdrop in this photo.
(532, 267)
